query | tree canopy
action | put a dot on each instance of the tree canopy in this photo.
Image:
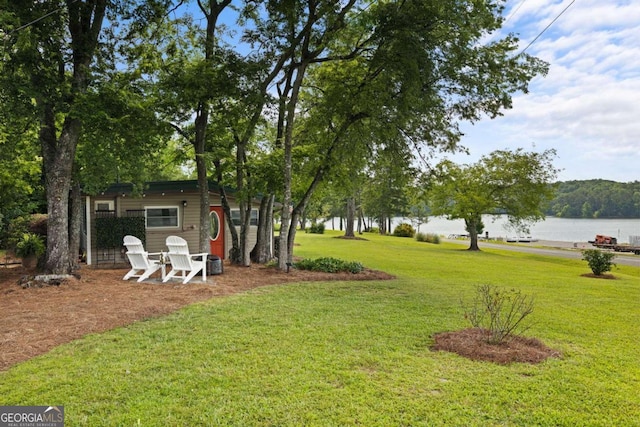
(515, 183)
(326, 87)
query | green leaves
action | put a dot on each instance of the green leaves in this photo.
(329, 265)
(30, 244)
(512, 182)
(599, 261)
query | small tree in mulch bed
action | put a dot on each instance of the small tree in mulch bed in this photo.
(599, 261)
(500, 311)
(496, 315)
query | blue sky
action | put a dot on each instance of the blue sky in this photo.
(588, 106)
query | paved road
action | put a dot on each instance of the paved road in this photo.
(552, 248)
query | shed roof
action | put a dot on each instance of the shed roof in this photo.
(159, 187)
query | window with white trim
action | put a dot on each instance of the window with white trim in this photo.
(161, 216)
(235, 217)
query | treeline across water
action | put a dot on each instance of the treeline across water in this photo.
(596, 198)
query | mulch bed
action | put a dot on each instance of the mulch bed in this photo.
(36, 319)
(472, 344)
(606, 276)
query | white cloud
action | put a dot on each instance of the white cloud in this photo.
(588, 107)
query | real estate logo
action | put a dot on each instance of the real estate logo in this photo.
(31, 416)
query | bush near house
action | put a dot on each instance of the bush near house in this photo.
(30, 245)
(329, 265)
(27, 224)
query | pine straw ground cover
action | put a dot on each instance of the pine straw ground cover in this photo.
(37, 319)
(34, 320)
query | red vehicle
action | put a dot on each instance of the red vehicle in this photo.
(608, 242)
(605, 240)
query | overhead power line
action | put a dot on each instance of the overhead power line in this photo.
(28, 24)
(547, 27)
(513, 12)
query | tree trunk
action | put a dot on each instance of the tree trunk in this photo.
(285, 257)
(85, 24)
(303, 221)
(472, 229)
(261, 253)
(245, 226)
(215, 8)
(199, 145)
(291, 236)
(382, 224)
(58, 157)
(351, 217)
(362, 224)
(75, 225)
(234, 253)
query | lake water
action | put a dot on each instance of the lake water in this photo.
(563, 229)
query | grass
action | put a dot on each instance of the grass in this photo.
(357, 353)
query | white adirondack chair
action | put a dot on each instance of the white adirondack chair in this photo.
(183, 262)
(141, 265)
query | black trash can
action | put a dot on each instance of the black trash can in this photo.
(214, 265)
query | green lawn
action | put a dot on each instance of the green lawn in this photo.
(357, 353)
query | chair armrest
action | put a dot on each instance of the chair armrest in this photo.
(202, 255)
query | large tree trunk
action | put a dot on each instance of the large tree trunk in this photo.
(472, 229)
(58, 157)
(85, 24)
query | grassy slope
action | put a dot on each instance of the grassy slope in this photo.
(357, 353)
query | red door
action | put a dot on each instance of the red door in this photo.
(216, 231)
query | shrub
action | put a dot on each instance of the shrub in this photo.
(329, 265)
(316, 228)
(433, 238)
(30, 244)
(404, 230)
(31, 224)
(599, 261)
(428, 238)
(16, 230)
(499, 311)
